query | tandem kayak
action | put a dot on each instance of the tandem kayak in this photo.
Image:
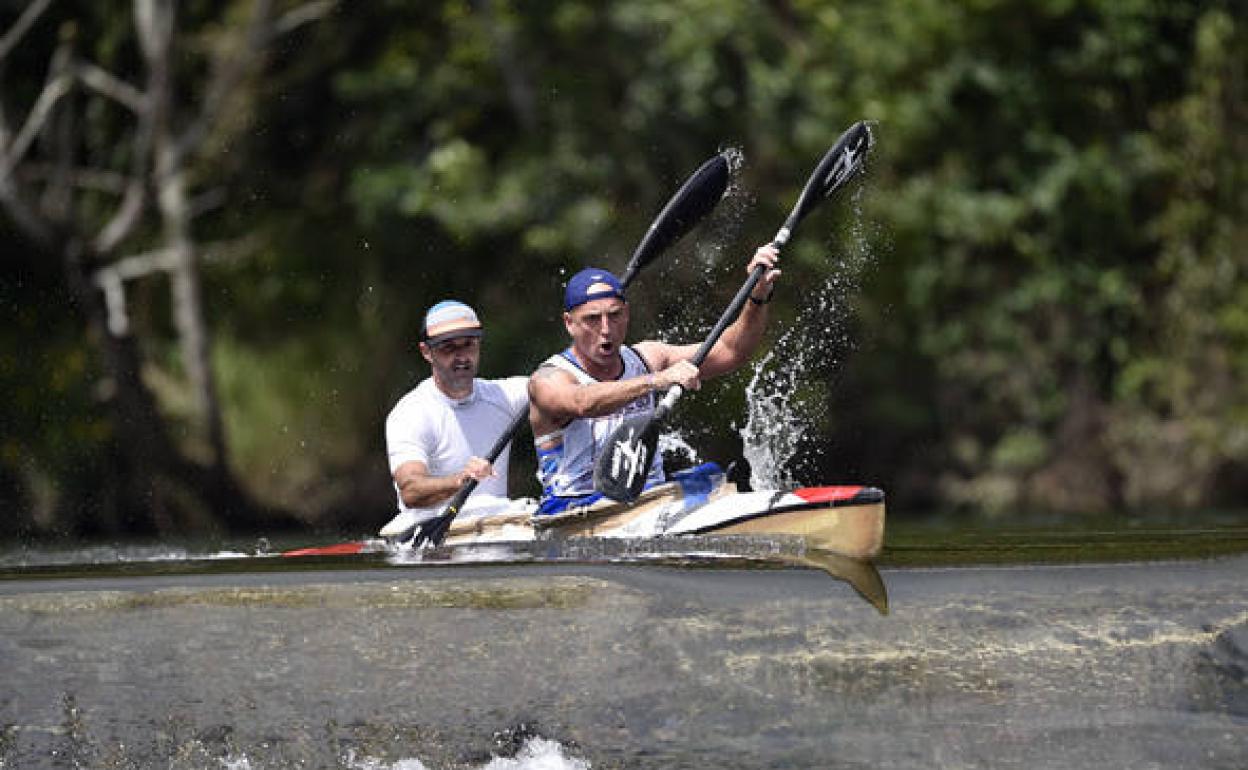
(842, 519)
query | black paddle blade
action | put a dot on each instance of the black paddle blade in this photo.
(621, 470)
(691, 203)
(841, 162)
(433, 532)
(844, 159)
(428, 532)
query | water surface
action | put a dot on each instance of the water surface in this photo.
(628, 660)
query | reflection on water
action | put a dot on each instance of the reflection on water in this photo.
(728, 652)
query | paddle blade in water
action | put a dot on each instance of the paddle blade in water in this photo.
(624, 464)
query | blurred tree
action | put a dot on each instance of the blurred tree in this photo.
(1035, 300)
(93, 156)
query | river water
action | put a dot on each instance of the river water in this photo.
(133, 658)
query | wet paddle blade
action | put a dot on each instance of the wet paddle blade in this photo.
(621, 470)
(690, 205)
(841, 163)
(433, 531)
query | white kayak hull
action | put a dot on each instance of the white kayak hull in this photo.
(848, 520)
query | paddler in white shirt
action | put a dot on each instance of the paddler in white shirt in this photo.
(579, 396)
(438, 434)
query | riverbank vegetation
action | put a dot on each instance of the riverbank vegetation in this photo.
(221, 224)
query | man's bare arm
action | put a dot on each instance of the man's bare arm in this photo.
(555, 396)
(420, 489)
(558, 397)
(739, 341)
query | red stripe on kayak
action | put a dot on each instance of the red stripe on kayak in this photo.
(338, 549)
(827, 494)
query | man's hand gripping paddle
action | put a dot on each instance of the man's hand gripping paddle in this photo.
(691, 203)
(624, 463)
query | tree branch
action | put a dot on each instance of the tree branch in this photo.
(125, 218)
(56, 88)
(232, 64)
(297, 17)
(23, 24)
(229, 67)
(107, 84)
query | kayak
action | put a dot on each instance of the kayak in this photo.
(842, 519)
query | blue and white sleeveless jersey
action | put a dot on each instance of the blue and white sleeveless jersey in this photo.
(567, 468)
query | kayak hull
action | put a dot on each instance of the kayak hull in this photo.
(855, 530)
(848, 520)
(844, 520)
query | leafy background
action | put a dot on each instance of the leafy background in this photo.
(1038, 294)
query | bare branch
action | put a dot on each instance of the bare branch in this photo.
(153, 20)
(125, 218)
(304, 14)
(115, 300)
(229, 68)
(23, 24)
(232, 65)
(111, 279)
(113, 87)
(154, 27)
(55, 89)
(139, 265)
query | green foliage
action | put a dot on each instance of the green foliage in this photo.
(1047, 306)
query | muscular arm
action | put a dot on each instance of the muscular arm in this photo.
(738, 342)
(555, 397)
(419, 489)
(731, 351)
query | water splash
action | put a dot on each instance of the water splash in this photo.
(788, 393)
(706, 260)
(676, 450)
(537, 753)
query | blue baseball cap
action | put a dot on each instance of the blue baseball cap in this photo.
(590, 284)
(450, 319)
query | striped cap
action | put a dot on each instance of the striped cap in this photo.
(450, 319)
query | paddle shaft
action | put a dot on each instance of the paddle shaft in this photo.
(521, 419)
(620, 470)
(470, 484)
(691, 203)
(837, 166)
(730, 315)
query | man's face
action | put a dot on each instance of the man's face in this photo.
(454, 362)
(598, 328)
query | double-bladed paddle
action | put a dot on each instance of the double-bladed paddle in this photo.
(621, 470)
(691, 203)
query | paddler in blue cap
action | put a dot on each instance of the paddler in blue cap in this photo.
(579, 396)
(439, 432)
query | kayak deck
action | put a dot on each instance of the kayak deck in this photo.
(848, 520)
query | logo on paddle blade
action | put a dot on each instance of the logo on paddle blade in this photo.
(629, 459)
(848, 163)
